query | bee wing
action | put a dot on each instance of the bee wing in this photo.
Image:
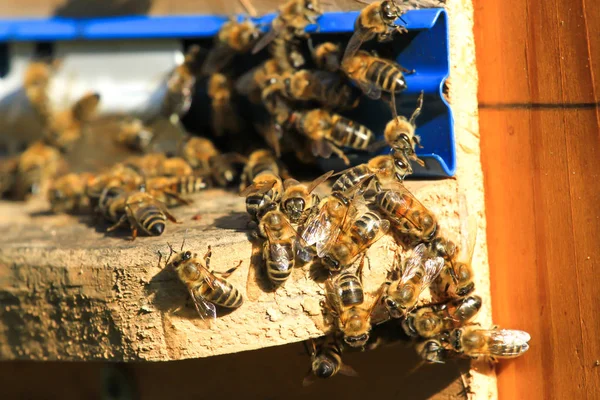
(318, 228)
(420, 260)
(507, 343)
(369, 89)
(318, 181)
(245, 84)
(321, 148)
(218, 57)
(400, 192)
(347, 370)
(260, 188)
(358, 37)
(266, 39)
(206, 310)
(433, 267)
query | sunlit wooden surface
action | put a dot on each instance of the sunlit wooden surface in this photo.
(539, 77)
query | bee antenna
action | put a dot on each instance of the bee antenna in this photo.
(402, 19)
(170, 253)
(183, 241)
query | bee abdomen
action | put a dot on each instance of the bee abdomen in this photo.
(151, 220)
(387, 76)
(350, 178)
(190, 184)
(366, 227)
(280, 262)
(348, 133)
(351, 289)
(222, 294)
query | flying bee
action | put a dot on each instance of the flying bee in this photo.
(37, 165)
(169, 190)
(180, 85)
(376, 19)
(375, 75)
(400, 134)
(326, 361)
(329, 132)
(35, 82)
(294, 16)
(66, 127)
(432, 320)
(233, 38)
(327, 56)
(408, 216)
(354, 240)
(475, 342)
(298, 200)
(67, 193)
(134, 135)
(205, 288)
(329, 89)
(207, 161)
(279, 248)
(224, 115)
(345, 302)
(144, 213)
(405, 285)
(385, 169)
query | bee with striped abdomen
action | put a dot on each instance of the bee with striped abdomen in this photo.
(261, 181)
(169, 190)
(326, 361)
(205, 288)
(329, 89)
(384, 169)
(298, 200)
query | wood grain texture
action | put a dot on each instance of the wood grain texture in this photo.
(539, 68)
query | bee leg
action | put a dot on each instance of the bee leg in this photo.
(170, 217)
(359, 270)
(119, 223)
(159, 257)
(177, 198)
(340, 153)
(230, 271)
(406, 70)
(393, 105)
(207, 256)
(134, 234)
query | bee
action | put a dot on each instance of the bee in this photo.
(233, 38)
(475, 342)
(66, 127)
(298, 200)
(408, 216)
(326, 361)
(143, 213)
(37, 165)
(279, 249)
(376, 19)
(384, 169)
(252, 82)
(67, 193)
(180, 85)
(207, 161)
(327, 56)
(328, 132)
(169, 190)
(400, 134)
(405, 285)
(224, 115)
(266, 187)
(275, 100)
(294, 16)
(175, 166)
(134, 135)
(205, 288)
(327, 88)
(35, 82)
(353, 240)
(375, 75)
(120, 175)
(148, 165)
(345, 301)
(286, 52)
(431, 321)
(112, 201)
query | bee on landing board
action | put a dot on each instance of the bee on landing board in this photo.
(169, 190)
(205, 288)
(384, 169)
(375, 75)
(67, 193)
(376, 19)
(37, 165)
(298, 201)
(326, 361)
(134, 135)
(404, 285)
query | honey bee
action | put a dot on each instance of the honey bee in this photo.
(405, 285)
(408, 216)
(328, 132)
(400, 134)
(252, 82)
(180, 85)
(134, 135)
(112, 201)
(345, 301)
(175, 166)
(224, 115)
(35, 82)
(376, 19)
(169, 190)
(286, 52)
(37, 165)
(143, 213)
(327, 88)
(66, 127)
(327, 56)
(233, 38)
(294, 16)
(298, 200)
(384, 169)
(353, 240)
(431, 321)
(205, 159)
(326, 361)
(279, 249)
(67, 193)
(120, 175)
(375, 75)
(475, 342)
(205, 288)
(148, 165)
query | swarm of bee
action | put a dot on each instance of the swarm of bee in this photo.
(302, 98)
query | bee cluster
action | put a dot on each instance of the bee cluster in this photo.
(301, 96)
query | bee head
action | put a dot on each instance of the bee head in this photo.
(357, 341)
(432, 351)
(294, 208)
(323, 367)
(390, 11)
(392, 306)
(331, 263)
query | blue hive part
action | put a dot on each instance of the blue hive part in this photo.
(424, 48)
